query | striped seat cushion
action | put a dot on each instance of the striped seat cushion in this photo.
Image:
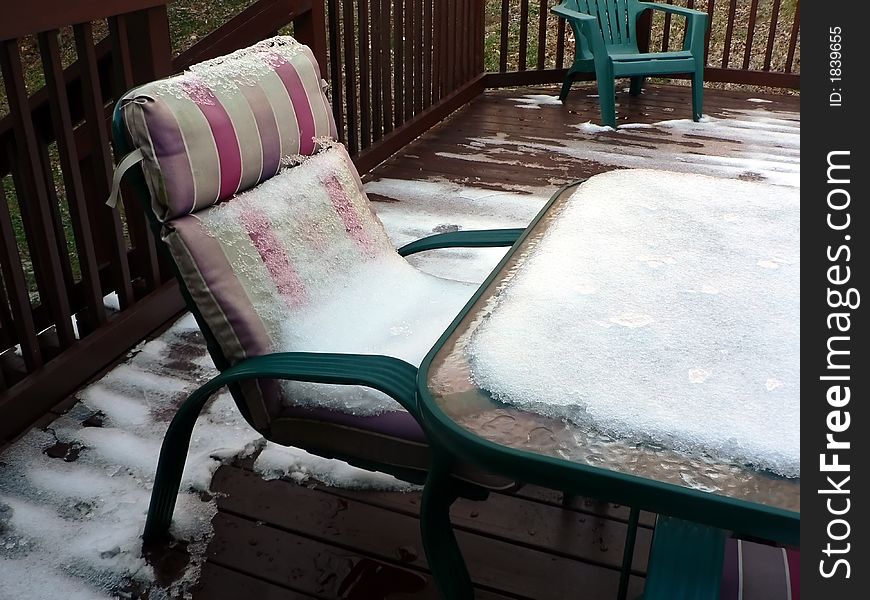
(754, 571)
(226, 124)
(275, 249)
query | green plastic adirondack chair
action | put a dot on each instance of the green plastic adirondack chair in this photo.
(606, 44)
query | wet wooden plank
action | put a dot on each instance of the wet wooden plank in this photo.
(221, 583)
(308, 566)
(380, 535)
(575, 534)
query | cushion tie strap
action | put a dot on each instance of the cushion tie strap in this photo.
(128, 161)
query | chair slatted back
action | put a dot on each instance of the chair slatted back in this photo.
(616, 18)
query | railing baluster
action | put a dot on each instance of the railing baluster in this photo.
(795, 31)
(16, 289)
(408, 55)
(503, 42)
(437, 49)
(347, 31)
(711, 4)
(560, 44)
(335, 63)
(418, 55)
(386, 65)
(101, 161)
(750, 34)
(666, 30)
(427, 54)
(542, 34)
(364, 75)
(729, 30)
(377, 88)
(398, 61)
(33, 197)
(56, 219)
(771, 36)
(524, 34)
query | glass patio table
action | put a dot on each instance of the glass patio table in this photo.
(701, 493)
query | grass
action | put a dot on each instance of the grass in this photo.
(189, 22)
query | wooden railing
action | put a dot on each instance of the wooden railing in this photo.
(399, 66)
(62, 250)
(749, 41)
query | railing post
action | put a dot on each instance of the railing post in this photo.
(150, 47)
(310, 29)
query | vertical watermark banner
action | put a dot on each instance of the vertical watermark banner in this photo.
(835, 420)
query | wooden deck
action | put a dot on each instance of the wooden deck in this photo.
(495, 142)
(280, 540)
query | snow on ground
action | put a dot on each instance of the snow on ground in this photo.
(535, 101)
(71, 524)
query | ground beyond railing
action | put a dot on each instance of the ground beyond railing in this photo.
(396, 68)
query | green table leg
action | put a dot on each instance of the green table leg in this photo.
(685, 561)
(445, 559)
(628, 553)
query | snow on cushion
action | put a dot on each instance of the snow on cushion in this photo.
(226, 124)
(251, 261)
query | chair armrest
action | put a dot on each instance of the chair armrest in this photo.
(570, 13)
(396, 378)
(487, 238)
(670, 8)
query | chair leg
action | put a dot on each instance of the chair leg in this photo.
(628, 553)
(443, 554)
(170, 466)
(697, 94)
(636, 86)
(566, 85)
(607, 100)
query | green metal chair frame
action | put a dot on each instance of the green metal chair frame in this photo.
(606, 44)
(389, 375)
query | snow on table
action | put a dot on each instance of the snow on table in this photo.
(662, 308)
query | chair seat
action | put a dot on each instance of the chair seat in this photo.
(392, 439)
(621, 54)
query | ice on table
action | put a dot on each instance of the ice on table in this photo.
(660, 307)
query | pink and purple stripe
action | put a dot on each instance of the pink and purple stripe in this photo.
(275, 259)
(223, 132)
(302, 106)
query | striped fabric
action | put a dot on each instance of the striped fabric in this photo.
(276, 248)
(224, 126)
(758, 572)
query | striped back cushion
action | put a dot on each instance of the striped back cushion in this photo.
(276, 248)
(225, 125)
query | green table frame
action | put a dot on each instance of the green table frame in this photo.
(690, 532)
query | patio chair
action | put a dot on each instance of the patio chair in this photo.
(605, 33)
(195, 143)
